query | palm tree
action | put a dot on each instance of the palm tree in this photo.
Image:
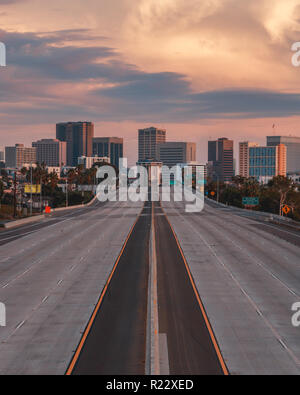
(283, 186)
(53, 181)
(71, 176)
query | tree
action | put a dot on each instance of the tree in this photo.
(72, 176)
(283, 186)
(239, 181)
(251, 187)
(293, 199)
(53, 181)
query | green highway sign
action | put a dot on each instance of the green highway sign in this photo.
(251, 201)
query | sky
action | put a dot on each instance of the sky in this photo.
(202, 69)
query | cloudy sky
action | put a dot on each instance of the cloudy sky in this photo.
(200, 68)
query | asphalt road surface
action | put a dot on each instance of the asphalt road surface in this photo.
(116, 343)
(247, 273)
(76, 292)
(9, 235)
(189, 344)
(115, 340)
(50, 282)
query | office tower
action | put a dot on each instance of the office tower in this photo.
(220, 158)
(79, 139)
(212, 151)
(282, 160)
(244, 157)
(175, 153)
(2, 156)
(88, 162)
(18, 156)
(51, 152)
(267, 162)
(293, 150)
(148, 141)
(110, 147)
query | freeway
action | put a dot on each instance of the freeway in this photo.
(7, 236)
(248, 276)
(288, 232)
(133, 288)
(190, 346)
(115, 341)
(50, 282)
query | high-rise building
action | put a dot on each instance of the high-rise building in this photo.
(148, 141)
(244, 157)
(293, 150)
(19, 155)
(175, 153)
(79, 139)
(110, 147)
(212, 151)
(220, 157)
(267, 162)
(51, 152)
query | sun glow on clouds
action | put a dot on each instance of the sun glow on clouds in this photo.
(207, 40)
(282, 17)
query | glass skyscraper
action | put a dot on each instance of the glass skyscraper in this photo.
(267, 162)
(79, 138)
(109, 147)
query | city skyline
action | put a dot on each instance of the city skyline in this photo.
(150, 190)
(115, 72)
(237, 158)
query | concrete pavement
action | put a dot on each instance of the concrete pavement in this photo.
(248, 278)
(190, 347)
(115, 340)
(246, 272)
(51, 280)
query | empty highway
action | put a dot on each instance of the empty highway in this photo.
(128, 288)
(248, 276)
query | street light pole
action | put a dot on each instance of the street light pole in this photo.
(31, 190)
(67, 197)
(15, 195)
(41, 196)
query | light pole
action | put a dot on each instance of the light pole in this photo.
(41, 196)
(67, 197)
(15, 195)
(31, 190)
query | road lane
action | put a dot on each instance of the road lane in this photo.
(51, 284)
(248, 280)
(115, 341)
(6, 236)
(191, 343)
(288, 232)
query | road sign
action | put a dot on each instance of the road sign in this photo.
(286, 210)
(213, 193)
(48, 210)
(251, 201)
(35, 189)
